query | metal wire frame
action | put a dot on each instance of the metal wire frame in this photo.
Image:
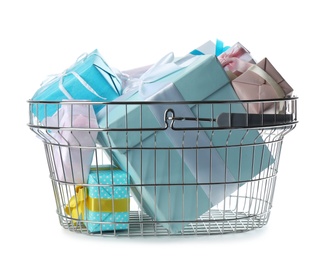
(247, 208)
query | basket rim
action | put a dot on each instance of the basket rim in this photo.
(31, 101)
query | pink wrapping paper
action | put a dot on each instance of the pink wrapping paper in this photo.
(261, 81)
(236, 60)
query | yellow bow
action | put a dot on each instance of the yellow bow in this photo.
(75, 207)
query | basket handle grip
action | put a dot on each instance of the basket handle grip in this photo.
(230, 120)
(252, 120)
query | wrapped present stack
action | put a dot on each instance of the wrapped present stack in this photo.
(211, 72)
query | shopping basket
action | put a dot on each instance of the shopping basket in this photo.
(163, 168)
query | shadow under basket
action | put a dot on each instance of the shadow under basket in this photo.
(163, 168)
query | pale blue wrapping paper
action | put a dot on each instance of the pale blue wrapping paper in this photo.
(203, 79)
(107, 183)
(90, 78)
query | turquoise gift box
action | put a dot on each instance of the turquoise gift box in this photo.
(169, 182)
(90, 78)
(108, 199)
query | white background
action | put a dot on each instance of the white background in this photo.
(39, 38)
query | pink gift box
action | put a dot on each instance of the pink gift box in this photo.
(262, 81)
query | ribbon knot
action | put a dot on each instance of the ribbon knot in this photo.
(220, 48)
(164, 67)
(231, 60)
(133, 84)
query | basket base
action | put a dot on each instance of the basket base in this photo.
(215, 223)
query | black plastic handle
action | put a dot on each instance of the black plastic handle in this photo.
(252, 120)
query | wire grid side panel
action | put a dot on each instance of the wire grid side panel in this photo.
(166, 198)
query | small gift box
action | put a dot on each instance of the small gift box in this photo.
(262, 81)
(104, 204)
(108, 201)
(90, 78)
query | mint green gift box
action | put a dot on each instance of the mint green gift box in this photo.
(108, 199)
(165, 171)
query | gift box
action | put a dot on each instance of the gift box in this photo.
(104, 204)
(108, 199)
(202, 79)
(90, 78)
(262, 81)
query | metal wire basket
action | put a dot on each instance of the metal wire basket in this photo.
(163, 168)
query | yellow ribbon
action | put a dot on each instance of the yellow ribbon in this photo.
(76, 206)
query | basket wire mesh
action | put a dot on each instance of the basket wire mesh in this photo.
(210, 173)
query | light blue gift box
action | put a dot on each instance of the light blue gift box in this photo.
(108, 199)
(204, 79)
(90, 78)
